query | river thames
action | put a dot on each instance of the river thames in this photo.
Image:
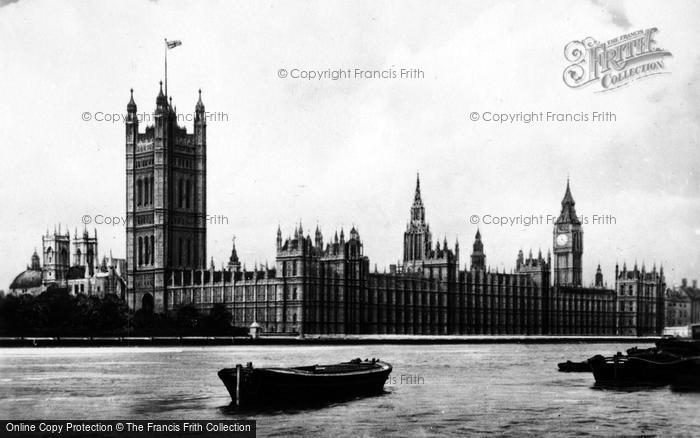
(510, 389)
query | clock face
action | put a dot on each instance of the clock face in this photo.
(562, 239)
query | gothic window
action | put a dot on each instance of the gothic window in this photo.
(180, 252)
(49, 254)
(77, 257)
(140, 251)
(294, 294)
(294, 318)
(82, 288)
(188, 194)
(147, 252)
(146, 190)
(152, 250)
(294, 268)
(181, 186)
(189, 252)
(139, 191)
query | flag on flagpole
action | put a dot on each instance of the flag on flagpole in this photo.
(173, 44)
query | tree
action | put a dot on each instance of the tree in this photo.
(187, 318)
(219, 320)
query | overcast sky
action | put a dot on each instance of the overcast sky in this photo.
(346, 152)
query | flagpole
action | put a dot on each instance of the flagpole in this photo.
(165, 47)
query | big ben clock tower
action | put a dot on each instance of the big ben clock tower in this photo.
(568, 244)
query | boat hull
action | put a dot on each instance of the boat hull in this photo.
(645, 371)
(574, 367)
(248, 385)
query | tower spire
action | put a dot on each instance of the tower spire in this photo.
(417, 185)
(417, 209)
(568, 212)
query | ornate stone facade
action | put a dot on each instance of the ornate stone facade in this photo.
(166, 201)
(327, 288)
(85, 274)
(317, 288)
(640, 300)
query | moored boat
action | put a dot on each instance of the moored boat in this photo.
(674, 361)
(641, 370)
(574, 367)
(248, 385)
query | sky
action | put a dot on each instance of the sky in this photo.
(346, 152)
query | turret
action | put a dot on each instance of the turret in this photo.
(478, 256)
(200, 122)
(599, 277)
(199, 109)
(132, 129)
(318, 241)
(35, 265)
(161, 101)
(279, 238)
(520, 260)
(234, 264)
(131, 108)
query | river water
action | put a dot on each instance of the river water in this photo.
(508, 389)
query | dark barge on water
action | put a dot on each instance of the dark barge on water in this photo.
(316, 383)
(674, 361)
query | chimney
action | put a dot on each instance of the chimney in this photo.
(684, 282)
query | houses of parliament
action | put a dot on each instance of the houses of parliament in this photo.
(324, 285)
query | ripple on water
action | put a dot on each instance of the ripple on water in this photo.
(467, 389)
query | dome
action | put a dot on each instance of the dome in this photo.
(28, 279)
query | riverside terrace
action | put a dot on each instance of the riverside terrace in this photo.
(281, 339)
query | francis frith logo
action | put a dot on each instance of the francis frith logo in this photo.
(616, 62)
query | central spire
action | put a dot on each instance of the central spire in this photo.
(417, 209)
(417, 238)
(416, 198)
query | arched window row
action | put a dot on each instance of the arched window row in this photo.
(144, 191)
(185, 256)
(185, 193)
(146, 250)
